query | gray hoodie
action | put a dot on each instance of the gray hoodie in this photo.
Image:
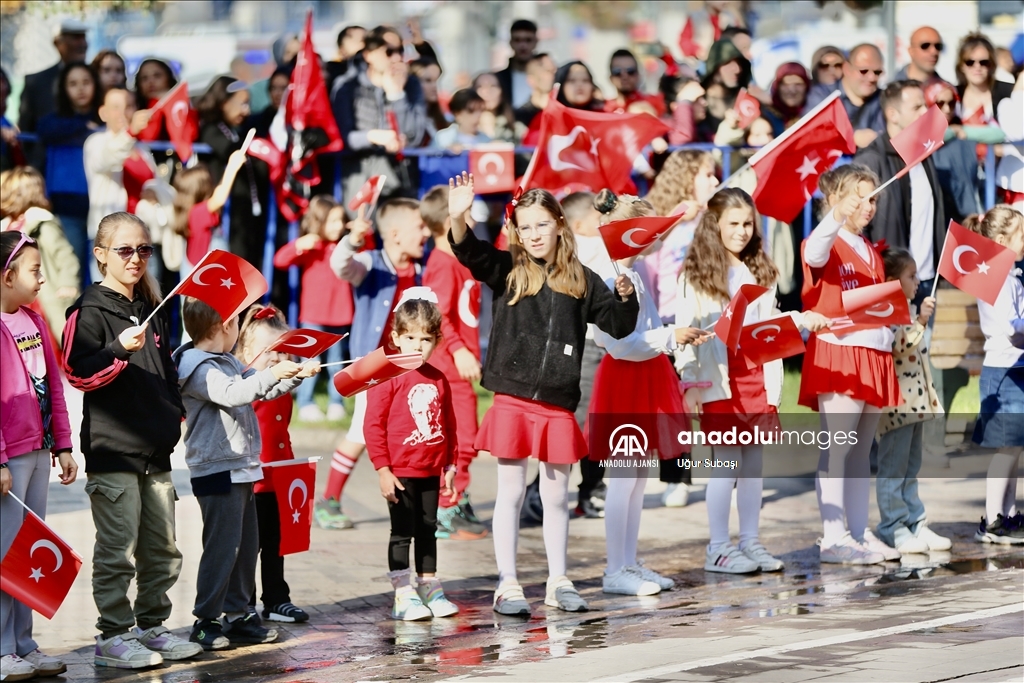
(223, 433)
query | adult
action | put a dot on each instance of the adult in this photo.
(540, 75)
(625, 76)
(741, 38)
(827, 65)
(284, 50)
(686, 102)
(429, 73)
(858, 91)
(377, 88)
(576, 88)
(277, 85)
(350, 44)
(497, 122)
(523, 40)
(926, 47)
(910, 212)
(789, 96)
(979, 91)
(11, 154)
(39, 94)
(109, 68)
(154, 79)
(727, 71)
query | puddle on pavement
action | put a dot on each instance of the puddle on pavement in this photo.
(784, 610)
(986, 564)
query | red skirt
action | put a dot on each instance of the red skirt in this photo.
(859, 372)
(519, 428)
(649, 387)
(748, 405)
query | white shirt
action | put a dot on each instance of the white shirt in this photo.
(103, 156)
(738, 276)
(521, 90)
(1003, 325)
(922, 222)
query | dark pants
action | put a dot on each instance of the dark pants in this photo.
(414, 516)
(671, 472)
(275, 588)
(231, 544)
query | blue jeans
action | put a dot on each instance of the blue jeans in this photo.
(75, 230)
(899, 461)
(336, 353)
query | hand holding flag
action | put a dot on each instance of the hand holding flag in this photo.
(226, 282)
(631, 237)
(294, 481)
(174, 107)
(306, 343)
(974, 263)
(368, 194)
(747, 108)
(374, 368)
(917, 142)
(873, 306)
(770, 340)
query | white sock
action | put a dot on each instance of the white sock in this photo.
(234, 616)
(749, 489)
(623, 505)
(554, 494)
(718, 496)
(844, 504)
(505, 523)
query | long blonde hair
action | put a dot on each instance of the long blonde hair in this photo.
(675, 181)
(1001, 219)
(147, 285)
(565, 275)
(21, 188)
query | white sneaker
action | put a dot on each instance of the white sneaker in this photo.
(310, 413)
(676, 496)
(171, 647)
(729, 560)
(934, 541)
(765, 560)
(848, 551)
(125, 651)
(876, 545)
(666, 583)
(408, 606)
(628, 581)
(14, 668)
(563, 595)
(908, 543)
(44, 665)
(335, 412)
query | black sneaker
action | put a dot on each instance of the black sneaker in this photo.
(209, 633)
(467, 509)
(597, 495)
(286, 612)
(1002, 531)
(586, 508)
(248, 630)
(452, 523)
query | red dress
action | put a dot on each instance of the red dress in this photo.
(748, 405)
(273, 416)
(518, 428)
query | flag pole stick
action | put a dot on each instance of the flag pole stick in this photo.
(174, 291)
(294, 461)
(888, 182)
(340, 362)
(942, 255)
(43, 522)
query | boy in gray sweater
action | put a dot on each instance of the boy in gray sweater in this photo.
(222, 450)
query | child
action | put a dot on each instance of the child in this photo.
(411, 436)
(197, 207)
(727, 253)
(222, 450)
(640, 362)
(132, 422)
(457, 357)
(326, 302)
(467, 107)
(260, 328)
(533, 366)
(35, 426)
(848, 379)
(904, 525)
(378, 278)
(999, 423)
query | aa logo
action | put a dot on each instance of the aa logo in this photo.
(628, 441)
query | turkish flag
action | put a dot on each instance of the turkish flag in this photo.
(174, 108)
(981, 274)
(374, 368)
(39, 568)
(226, 282)
(305, 343)
(729, 327)
(307, 104)
(265, 151)
(593, 148)
(770, 340)
(369, 193)
(633, 236)
(873, 306)
(294, 482)
(788, 168)
(393, 125)
(747, 107)
(493, 168)
(920, 139)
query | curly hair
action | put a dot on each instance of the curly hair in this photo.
(565, 275)
(675, 182)
(706, 266)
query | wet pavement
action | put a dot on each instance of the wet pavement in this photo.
(947, 616)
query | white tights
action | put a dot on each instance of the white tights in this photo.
(843, 483)
(554, 493)
(749, 486)
(623, 504)
(1001, 484)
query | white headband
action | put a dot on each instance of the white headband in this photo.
(417, 293)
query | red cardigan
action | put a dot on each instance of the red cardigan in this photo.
(273, 417)
(326, 298)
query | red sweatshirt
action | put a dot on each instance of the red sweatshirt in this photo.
(273, 417)
(458, 297)
(410, 424)
(326, 298)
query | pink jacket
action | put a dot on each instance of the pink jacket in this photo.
(21, 425)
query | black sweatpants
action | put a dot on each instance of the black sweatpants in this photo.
(414, 516)
(275, 588)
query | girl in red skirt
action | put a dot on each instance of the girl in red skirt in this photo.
(543, 299)
(727, 253)
(848, 379)
(635, 379)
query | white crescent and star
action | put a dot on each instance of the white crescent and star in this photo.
(199, 273)
(52, 547)
(491, 159)
(627, 238)
(465, 304)
(558, 143)
(884, 313)
(310, 341)
(809, 167)
(762, 328)
(960, 251)
(301, 486)
(179, 112)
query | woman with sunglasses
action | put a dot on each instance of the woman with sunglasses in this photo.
(827, 68)
(133, 413)
(979, 91)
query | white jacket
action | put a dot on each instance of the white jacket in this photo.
(104, 155)
(649, 339)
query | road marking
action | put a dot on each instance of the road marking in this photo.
(812, 644)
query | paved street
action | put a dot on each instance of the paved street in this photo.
(953, 616)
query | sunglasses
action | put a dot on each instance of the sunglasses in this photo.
(624, 72)
(25, 239)
(939, 47)
(987, 63)
(830, 65)
(865, 72)
(942, 104)
(392, 51)
(126, 253)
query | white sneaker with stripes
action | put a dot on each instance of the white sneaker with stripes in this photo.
(729, 560)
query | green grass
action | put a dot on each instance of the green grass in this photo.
(968, 399)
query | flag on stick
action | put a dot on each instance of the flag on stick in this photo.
(974, 263)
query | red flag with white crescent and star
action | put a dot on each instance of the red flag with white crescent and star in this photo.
(630, 237)
(174, 108)
(974, 263)
(873, 306)
(294, 483)
(493, 167)
(747, 108)
(226, 282)
(770, 340)
(305, 343)
(374, 368)
(919, 140)
(788, 168)
(265, 151)
(39, 567)
(730, 324)
(368, 194)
